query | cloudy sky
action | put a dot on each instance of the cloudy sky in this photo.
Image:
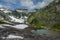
(29, 4)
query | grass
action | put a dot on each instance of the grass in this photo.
(3, 22)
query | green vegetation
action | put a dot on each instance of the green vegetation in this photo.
(3, 22)
(48, 17)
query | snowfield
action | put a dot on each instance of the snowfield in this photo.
(16, 20)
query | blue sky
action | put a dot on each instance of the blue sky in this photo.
(29, 4)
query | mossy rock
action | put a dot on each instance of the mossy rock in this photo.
(2, 22)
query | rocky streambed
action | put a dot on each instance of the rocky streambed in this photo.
(9, 32)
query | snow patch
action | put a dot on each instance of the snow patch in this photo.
(20, 26)
(5, 25)
(6, 11)
(16, 20)
(1, 26)
(2, 9)
(13, 36)
(26, 17)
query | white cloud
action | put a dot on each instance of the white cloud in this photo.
(5, 6)
(27, 3)
(40, 5)
(8, 3)
(48, 1)
(43, 4)
(0, 5)
(11, 1)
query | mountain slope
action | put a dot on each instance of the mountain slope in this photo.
(47, 17)
(12, 15)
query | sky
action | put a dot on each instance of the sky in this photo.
(24, 4)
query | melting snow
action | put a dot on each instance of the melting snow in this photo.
(5, 25)
(26, 17)
(6, 11)
(20, 26)
(1, 26)
(16, 20)
(13, 36)
(2, 9)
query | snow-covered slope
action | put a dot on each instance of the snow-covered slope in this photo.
(12, 15)
(5, 10)
(13, 19)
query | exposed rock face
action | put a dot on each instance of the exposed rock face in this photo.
(4, 16)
